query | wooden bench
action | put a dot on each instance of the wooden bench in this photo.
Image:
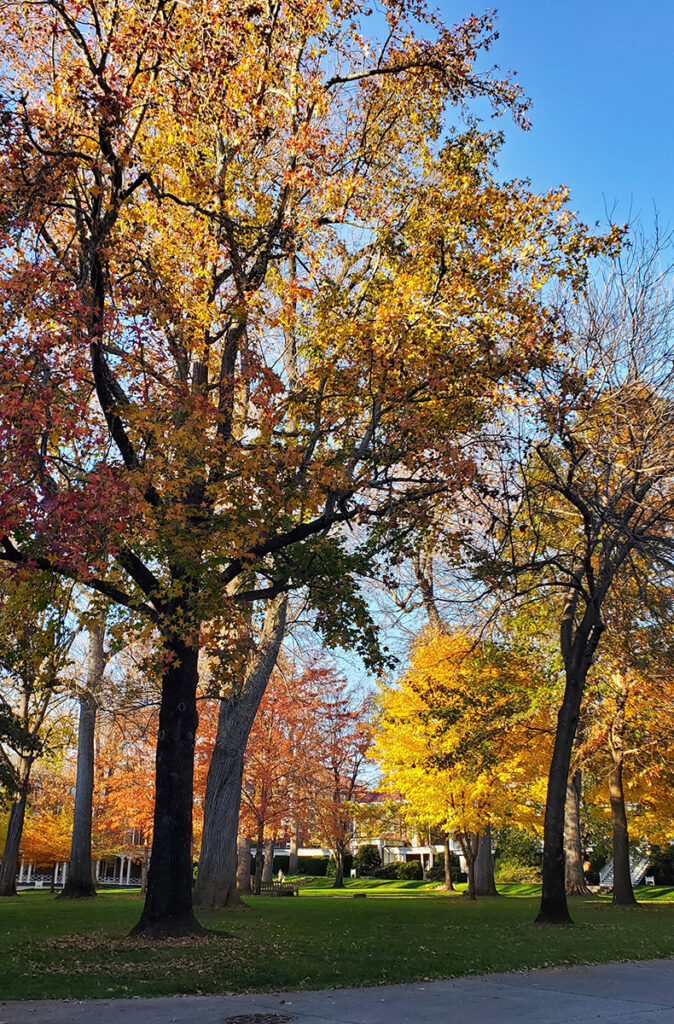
(281, 889)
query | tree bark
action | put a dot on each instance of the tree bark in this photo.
(574, 876)
(554, 909)
(10, 856)
(268, 866)
(80, 883)
(470, 847)
(578, 644)
(449, 885)
(339, 865)
(216, 879)
(485, 884)
(293, 859)
(168, 903)
(243, 867)
(623, 892)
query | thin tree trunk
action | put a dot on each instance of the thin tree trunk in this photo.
(574, 876)
(216, 879)
(485, 884)
(623, 893)
(168, 903)
(268, 867)
(470, 847)
(80, 882)
(449, 884)
(243, 867)
(259, 858)
(339, 866)
(293, 859)
(10, 856)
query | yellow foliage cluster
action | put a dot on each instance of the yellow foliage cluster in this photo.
(458, 736)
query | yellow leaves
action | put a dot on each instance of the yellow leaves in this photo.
(452, 735)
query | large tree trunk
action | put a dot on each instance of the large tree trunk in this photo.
(268, 867)
(168, 903)
(449, 885)
(578, 643)
(338, 853)
(10, 856)
(243, 867)
(80, 883)
(216, 879)
(485, 884)
(554, 909)
(574, 876)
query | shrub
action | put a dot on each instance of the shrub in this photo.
(411, 869)
(281, 863)
(437, 872)
(313, 866)
(516, 846)
(513, 872)
(662, 865)
(388, 870)
(366, 860)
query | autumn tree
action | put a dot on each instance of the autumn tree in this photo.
(592, 506)
(35, 641)
(630, 736)
(339, 741)
(247, 296)
(454, 738)
(270, 759)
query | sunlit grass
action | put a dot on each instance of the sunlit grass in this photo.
(323, 938)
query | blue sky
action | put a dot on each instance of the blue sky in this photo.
(601, 77)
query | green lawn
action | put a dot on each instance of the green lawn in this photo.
(402, 931)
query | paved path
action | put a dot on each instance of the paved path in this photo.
(634, 993)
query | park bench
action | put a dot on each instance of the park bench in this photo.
(281, 889)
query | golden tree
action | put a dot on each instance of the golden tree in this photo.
(454, 738)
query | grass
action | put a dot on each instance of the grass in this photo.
(403, 931)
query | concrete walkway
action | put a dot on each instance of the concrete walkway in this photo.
(633, 993)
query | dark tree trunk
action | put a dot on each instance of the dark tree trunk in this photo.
(293, 859)
(554, 909)
(449, 885)
(10, 856)
(268, 866)
(216, 879)
(485, 884)
(623, 893)
(338, 853)
(574, 876)
(243, 867)
(578, 645)
(80, 883)
(168, 903)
